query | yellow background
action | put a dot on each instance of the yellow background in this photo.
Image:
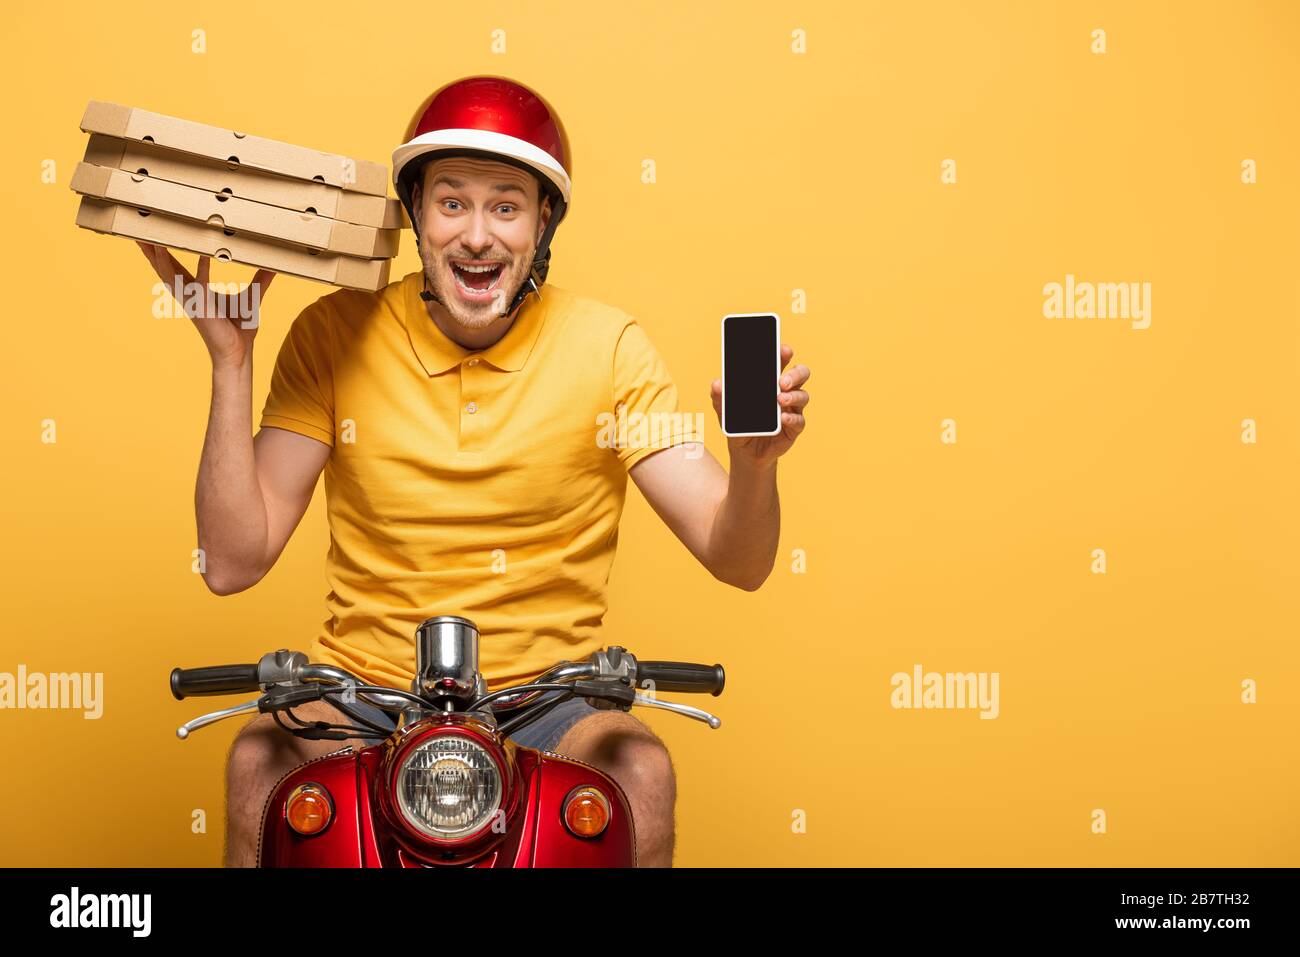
(776, 172)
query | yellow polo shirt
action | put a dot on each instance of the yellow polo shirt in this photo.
(485, 483)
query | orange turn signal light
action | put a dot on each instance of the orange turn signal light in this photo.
(586, 812)
(309, 809)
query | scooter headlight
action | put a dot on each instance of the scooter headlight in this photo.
(448, 787)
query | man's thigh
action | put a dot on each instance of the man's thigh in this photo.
(262, 749)
(609, 738)
(578, 729)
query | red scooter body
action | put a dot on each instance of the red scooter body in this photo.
(365, 829)
(449, 787)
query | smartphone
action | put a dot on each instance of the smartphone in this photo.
(751, 373)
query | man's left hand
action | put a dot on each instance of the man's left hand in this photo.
(762, 451)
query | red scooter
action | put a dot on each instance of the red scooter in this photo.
(446, 787)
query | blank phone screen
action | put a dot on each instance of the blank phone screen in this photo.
(749, 374)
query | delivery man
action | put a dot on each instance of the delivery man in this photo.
(455, 416)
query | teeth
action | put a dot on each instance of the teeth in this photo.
(476, 292)
(478, 268)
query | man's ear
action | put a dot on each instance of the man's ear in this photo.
(545, 216)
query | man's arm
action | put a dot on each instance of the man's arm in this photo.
(730, 523)
(251, 492)
(250, 495)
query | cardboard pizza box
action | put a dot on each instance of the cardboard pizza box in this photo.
(235, 149)
(151, 227)
(380, 212)
(222, 211)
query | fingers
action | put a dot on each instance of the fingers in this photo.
(263, 279)
(257, 288)
(205, 269)
(164, 264)
(165, 256)
(792, 423)
(793, 401)
(151, 253)
(251, 295)
(795, 377)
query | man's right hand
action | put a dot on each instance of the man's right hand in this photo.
(227, 322)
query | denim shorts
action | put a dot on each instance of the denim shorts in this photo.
(542, 734)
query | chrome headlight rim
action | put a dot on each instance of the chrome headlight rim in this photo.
(412, 821)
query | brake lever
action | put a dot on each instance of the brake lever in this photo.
(624, 697)
(202, 721)
(683, 709)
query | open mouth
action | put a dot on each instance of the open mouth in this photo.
(477, 280)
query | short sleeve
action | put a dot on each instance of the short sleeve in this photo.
(647, 413)
(302, 385)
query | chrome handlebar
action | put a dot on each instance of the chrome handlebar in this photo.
(286, 670)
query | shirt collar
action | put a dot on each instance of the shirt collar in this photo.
(438, 353)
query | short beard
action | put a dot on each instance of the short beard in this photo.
(474, 317)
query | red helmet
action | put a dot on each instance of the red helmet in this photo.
(493, 118)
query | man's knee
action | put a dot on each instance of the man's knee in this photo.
(252, 750)
(255, 755)
(647, 764)
(263, 752)
(625, 748)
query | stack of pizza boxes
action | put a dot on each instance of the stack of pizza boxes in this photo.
(236, 197)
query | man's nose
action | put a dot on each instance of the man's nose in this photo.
(477, 235)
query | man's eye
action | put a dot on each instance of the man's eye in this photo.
(507, 207)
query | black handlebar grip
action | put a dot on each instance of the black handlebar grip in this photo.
(221, 679)
(682, 676)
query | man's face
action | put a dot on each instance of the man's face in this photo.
(477, 213)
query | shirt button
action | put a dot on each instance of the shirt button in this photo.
(471, 407)
(473, 362)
